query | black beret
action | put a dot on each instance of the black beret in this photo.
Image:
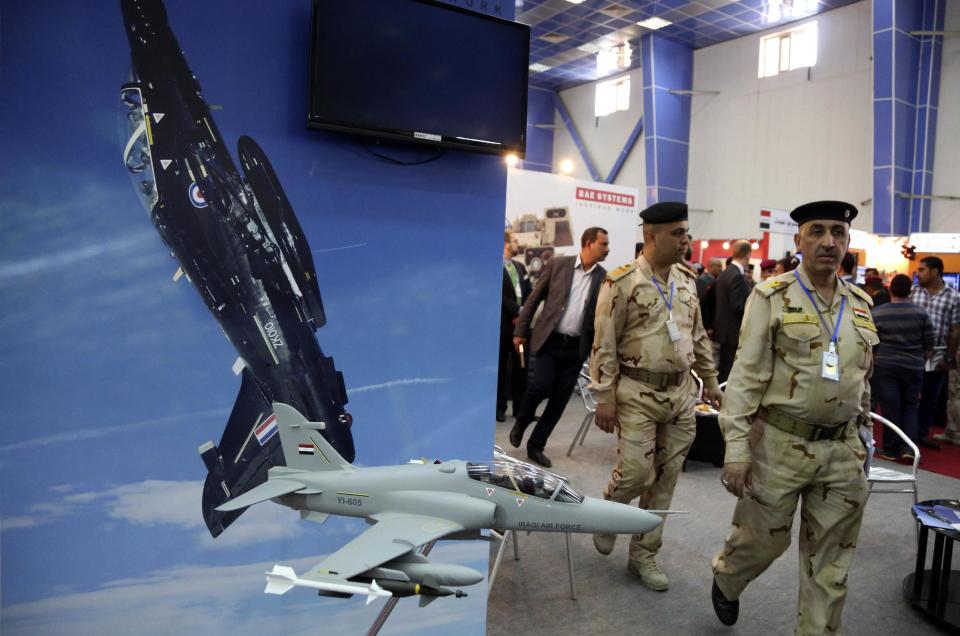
(825, 211)
(665, 212)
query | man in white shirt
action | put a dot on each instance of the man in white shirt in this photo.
(561, 338)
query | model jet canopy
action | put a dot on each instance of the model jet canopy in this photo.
(522, 477)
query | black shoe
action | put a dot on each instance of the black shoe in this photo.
(727, 611)
(927, 442)
(501, 416)
(540, 458)
(516, 435)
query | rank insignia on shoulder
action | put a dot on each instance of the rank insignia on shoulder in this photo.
(772, 285)
(862, 295)
(792, 310)
(621, 271)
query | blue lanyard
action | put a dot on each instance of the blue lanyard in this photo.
(664, 296)
(843, 302)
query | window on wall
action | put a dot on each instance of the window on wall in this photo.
(612, 96)
(788, 50)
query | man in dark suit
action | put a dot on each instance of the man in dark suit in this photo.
(731, 291)
(561, 338)
(511, 375)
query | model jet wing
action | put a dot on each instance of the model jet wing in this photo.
(393, 535)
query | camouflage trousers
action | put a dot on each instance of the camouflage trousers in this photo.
(828, 480)
(657, 427)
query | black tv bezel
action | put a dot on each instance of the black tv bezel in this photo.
(394, 134)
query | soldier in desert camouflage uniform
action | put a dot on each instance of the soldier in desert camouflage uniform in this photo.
(648, 336)
(797, 392)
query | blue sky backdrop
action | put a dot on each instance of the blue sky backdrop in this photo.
(112, 374)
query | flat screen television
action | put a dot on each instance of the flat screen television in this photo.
(420, 71)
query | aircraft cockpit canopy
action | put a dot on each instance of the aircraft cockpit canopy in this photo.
(519, 476)
(136, 146)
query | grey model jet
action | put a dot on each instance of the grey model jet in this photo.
(411, 505)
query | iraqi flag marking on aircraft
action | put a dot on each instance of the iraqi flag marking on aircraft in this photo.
(520, 501)
(305, 449)
(266, 429)
(489, 492)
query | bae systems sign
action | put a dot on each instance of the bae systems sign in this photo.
(604, 196)
(548, 213)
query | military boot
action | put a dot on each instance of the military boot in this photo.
(650, 574)
(604, 542)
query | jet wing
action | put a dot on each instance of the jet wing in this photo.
(393, 535)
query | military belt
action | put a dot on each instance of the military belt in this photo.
(794, 426)
(659, 380)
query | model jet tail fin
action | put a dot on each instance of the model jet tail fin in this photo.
(303, 446)
(267, 490)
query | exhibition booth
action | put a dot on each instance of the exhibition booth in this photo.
(253, 284)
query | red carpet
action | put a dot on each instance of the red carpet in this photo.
(945, 462)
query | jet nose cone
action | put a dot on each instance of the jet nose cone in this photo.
(610, 517)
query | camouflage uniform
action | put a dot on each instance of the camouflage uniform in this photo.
(777, 377)
(657, 422)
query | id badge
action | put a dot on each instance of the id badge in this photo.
(830, 367)
(672, 330)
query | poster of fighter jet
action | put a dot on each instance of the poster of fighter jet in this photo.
(114, 374)
(237, 240)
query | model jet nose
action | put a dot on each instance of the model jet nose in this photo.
(610, 517)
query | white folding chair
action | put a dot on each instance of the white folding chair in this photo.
(589, 403)
(897, 481)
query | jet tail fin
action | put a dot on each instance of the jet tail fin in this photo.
(265, 491)
(303, 446)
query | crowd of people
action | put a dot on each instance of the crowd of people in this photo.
(795, 408)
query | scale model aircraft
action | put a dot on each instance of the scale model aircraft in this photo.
(238, 241)
(411, 505)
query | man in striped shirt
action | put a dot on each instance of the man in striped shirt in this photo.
(906, 341)
(943, 305)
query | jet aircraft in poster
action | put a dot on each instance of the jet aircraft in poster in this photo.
(239, 243)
